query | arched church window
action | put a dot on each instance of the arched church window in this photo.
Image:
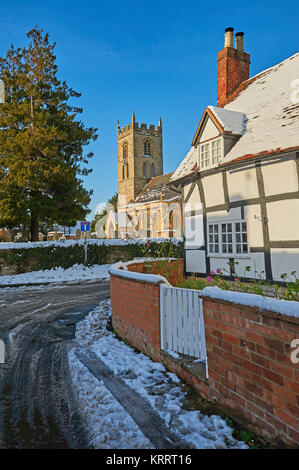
(147, 148)
(152, 170)
(125, 150)
(144, 170)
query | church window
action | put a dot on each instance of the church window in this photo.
(127, 170)
(152, 170)
(125, 150)
(147, 148)
(123, 171)
(144, 170)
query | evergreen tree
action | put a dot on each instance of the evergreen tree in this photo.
(41, 141)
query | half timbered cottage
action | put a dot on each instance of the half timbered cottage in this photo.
(240, 179)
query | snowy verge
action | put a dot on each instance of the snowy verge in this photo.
(89, 241)
(285, 307)
(78, 272)
(162, 389)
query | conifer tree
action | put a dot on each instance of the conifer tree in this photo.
(41, 141)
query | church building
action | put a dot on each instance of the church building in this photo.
(147, 206)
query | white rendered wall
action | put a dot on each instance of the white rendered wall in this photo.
(284, 260)
(242, 184)
(195, 261)
(213, 190)
(280, 177)
(283, 219)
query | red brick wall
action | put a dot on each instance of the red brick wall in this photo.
(136, 313)
(233, 69)
(250, 371)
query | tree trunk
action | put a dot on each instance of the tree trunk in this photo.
(34, 228)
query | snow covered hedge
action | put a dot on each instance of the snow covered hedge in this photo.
(47, 255)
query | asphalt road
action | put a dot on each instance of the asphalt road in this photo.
(37, 405)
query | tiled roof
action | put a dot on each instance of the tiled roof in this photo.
(156, 189)
(272, 111)
(188, 165)
(267, 108)
(233, 122)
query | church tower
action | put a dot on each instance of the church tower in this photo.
(139, 157)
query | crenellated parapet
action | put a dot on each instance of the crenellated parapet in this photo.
(149, 129)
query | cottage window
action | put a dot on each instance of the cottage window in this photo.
(205, 155)
(216, 151)
(228, 238)
(210, 153)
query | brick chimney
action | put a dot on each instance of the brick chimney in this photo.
(233, 66)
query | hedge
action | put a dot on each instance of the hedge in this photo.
(48, 257)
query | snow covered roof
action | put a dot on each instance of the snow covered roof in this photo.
(271, 109)
(233, 122)
(263, 110)
(187, 166)
(156, 189)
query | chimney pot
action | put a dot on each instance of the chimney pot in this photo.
(240, 41)
(233, 66)
(229, 37)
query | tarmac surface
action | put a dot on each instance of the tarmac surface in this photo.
(37, 406)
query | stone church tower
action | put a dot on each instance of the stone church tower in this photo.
(139, 157)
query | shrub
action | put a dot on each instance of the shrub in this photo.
(48, 257)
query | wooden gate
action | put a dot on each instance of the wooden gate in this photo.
(182, 322)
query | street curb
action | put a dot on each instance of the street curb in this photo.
(62, 283)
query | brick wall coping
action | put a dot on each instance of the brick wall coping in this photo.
(283, 307)
(121, 270)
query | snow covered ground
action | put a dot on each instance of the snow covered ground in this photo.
(78, 272)
(108, 424)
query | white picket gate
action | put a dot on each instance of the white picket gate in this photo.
(182, 322)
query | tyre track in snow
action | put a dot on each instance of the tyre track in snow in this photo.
(140, 410)
(37, 405)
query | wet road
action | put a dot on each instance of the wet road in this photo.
(37, 405)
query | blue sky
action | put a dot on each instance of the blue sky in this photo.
(157, 57)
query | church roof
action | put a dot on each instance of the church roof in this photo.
(156, 189)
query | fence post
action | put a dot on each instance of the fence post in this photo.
(2, 352)
(203, 351)
(162, 317)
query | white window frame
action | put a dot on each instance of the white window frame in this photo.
(206, 149)
(235, 240)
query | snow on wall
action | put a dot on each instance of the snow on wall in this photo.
(121, 270)
(285, 307)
